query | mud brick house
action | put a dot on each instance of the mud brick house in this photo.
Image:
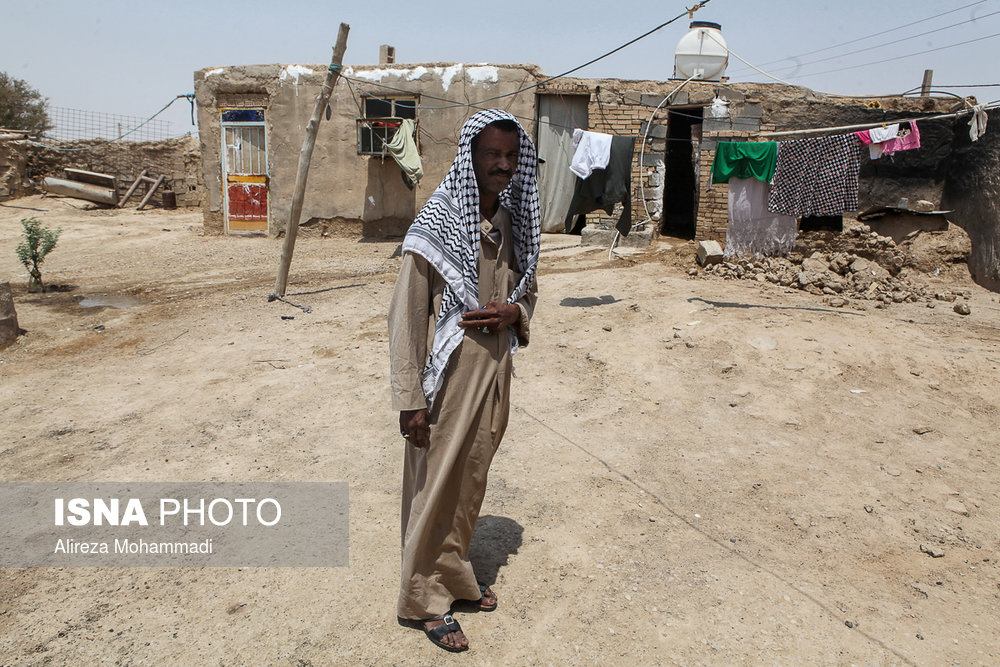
(252, 121)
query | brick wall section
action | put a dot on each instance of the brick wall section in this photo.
(624, 114)
(179, 160)
(713, 205)
(742, 123)
(612, 114)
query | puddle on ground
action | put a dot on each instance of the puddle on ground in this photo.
(111, 301)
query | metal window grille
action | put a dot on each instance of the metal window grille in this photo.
(71, 124)
(382, 119)
(245, 150)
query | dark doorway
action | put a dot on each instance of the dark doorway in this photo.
(815, 223)
(680, 182)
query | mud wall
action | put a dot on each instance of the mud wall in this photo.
(179, 160)
(13, 166)
(972, 193)
(343, 185)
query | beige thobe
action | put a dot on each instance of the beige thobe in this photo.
(444, 484)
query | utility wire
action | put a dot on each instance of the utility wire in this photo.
(880, 46)
(687, 12)
(880, 33)
(350, 82)
(908, 55)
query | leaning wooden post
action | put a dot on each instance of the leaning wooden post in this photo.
(305, 155)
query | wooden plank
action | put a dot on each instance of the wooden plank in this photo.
(149, 195)
(132, 188)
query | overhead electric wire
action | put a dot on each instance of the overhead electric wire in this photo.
(880, 33)
(880, 46)
(686, 12)
(524, 118)
(908, 55)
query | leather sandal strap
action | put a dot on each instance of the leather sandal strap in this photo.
(448, 626)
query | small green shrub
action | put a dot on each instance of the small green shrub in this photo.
(38, 242)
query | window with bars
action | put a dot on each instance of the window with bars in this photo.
(383, 116)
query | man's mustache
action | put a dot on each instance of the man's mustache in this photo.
(504, 172)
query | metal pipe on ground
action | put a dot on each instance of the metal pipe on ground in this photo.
(94, 193)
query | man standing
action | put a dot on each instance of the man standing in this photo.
(461, 306)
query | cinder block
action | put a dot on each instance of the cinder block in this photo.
(649, 160)
(752, 110)
(708, 252)
(655, 131)
(730, 94)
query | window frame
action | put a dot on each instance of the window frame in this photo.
(368, 136)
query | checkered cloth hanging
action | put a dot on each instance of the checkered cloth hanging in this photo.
(816, 176)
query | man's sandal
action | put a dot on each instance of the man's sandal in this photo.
(438, 632)
(482, 596)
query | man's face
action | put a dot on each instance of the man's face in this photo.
(495, 159)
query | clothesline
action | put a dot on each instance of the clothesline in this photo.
(867, 126)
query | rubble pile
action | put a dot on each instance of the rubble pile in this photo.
(856, 264)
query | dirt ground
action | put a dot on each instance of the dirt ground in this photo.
(697, 470)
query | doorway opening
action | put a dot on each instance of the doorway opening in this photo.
(682, 165)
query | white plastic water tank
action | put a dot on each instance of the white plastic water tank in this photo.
(702, 53)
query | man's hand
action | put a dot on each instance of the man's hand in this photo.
(492, 318)
(415, 426)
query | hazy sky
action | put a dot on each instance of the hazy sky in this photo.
(131, 58)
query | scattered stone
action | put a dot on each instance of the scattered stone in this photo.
(869, 509)
(849, 624)
(692, 272)
(690, 345)
(837, 301)
(956, 507)
(962, 308)
(921, 430)
(708, 252)
(932, 551)
(945, 296)
(607, 327)
(652, 519)
(763, 343)
(815, 264)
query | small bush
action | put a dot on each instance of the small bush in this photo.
(38, 242)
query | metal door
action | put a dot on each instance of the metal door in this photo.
(244, 149)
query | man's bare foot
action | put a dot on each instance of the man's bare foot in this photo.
(452, 641)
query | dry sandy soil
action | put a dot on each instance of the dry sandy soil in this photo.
(697, 471)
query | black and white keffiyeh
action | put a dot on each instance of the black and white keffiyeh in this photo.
(446, 233)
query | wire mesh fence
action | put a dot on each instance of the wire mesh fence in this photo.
(71, 124)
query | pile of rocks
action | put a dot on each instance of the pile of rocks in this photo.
(858, 264)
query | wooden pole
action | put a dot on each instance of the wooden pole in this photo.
(305, 156)
(925, 85)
